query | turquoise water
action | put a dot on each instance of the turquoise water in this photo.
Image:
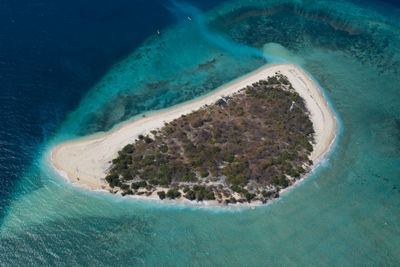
(347, 213)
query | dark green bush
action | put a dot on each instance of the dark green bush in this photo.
(124, 187)
(266, 194)
(128, 148)
(173, 193)
(189, 177)
(249, 196)
(204, 173)
(113, 180)
(164, 148)
(148, 140)
(190, 195)
(161, 194)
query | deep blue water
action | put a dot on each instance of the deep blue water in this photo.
(51, 54)
(71, 68)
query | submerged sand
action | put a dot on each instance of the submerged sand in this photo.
(86, 161)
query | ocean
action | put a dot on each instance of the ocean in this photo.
(74, 68)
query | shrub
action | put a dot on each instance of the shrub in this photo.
(249, 196)
(236, 188)
(273, 80)
(266, 194)
(161, 194)
(309, 147)
(154, 182)
(239, 179)
(220, 102)
(300, 169)
(135, 186)
(189, 147)
(163, 148)
(169, 130)
(189, 177)
(203, 172)
(197, 123)
(275, 180)
(113, 180)
(148, 160)
(203, 193)
(283, 181)
(210, 195)
(229, 156)
(190, 195)
(128, 149)
(148, 140)
(173, 193)
(124, 187)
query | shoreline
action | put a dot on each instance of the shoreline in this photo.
(85, 161)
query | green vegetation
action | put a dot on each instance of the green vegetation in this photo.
(173, 193)
(259, 138)
(161, 194)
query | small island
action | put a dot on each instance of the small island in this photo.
(245, 142)
(244, 147)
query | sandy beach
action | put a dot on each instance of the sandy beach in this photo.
(86, 161)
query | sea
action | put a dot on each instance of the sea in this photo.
(74, 68)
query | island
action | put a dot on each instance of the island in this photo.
(245, 142)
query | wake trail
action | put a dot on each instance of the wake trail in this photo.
(183, 10)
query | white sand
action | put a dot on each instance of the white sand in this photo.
(85, 161)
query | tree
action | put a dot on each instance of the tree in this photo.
(189, 177)
(161, 194)
(148, 140)
(173, 193)
(113, 180)
(283, 181)
(249, 196)
(128, 149)
(163, 148)
(190, 195)
(266, 194)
